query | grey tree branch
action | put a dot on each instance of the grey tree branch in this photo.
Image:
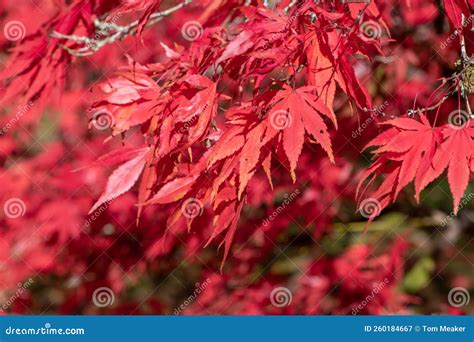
(109, 32)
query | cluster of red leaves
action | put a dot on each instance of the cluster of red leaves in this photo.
(212, 131)
(413, 151)
(180, 115)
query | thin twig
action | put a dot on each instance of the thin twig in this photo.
(115, 32)
(291, 4)
(428, 109)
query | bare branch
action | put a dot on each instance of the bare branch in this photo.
(111, 32)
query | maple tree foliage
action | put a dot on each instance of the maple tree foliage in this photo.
(173, 131)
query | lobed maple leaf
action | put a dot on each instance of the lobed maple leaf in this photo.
(412, 150)
(294, 112)
(123, 178)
